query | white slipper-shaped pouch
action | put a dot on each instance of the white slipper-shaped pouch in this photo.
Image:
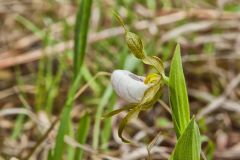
(129, 86)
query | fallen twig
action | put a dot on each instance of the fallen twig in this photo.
(215, 103)
(41, 140)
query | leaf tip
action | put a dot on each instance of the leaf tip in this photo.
(177, 52)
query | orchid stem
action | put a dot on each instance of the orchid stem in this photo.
(165, 79)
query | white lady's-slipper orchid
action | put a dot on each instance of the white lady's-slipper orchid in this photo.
(142, 93)
(129, 86)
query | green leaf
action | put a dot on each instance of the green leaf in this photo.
(189, 144)
(18, 126)
(70, 150)
(62, 130)
(64, 119)
(178, 94)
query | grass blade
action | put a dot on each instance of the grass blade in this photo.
(64, 125)
(81, 30)
(18, 126)
(178, 94)
(107, 125)
(30, 26)
(96, 129)
(70, 149)
(88, 77)
(83, 129)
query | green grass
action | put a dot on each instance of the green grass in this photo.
(82, 133)
(47, 83)
(64, 122)
(81, 31)
(18, 126)
(20, 118)
(98, 117)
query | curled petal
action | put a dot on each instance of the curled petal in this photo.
(124, 108)
(128, 86)
(132, 114)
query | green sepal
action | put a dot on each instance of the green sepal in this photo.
(155, 62)
(152, 94)
(130, 115)
(135, 44)
(112, 113)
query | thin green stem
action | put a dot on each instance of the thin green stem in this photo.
(165, 79)
(98, 116)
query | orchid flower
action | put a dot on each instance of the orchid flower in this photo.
(129, 86)
(141, 92)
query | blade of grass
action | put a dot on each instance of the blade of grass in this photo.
(107, 129)
(18, 126)
(53, 88)
(81, 29)
(40, 85)
(42, 79)
(49, 80)
(88, 77)
(30, 26)
(20, 118)
(82, 133)
(70, 149)
(64, 127)
(178, 94)
(96, 129)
